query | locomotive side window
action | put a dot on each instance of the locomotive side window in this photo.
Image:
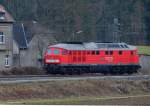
(106, 52)
(132, 53)
(93, 52)
(56, 52)
(120, 52)
(97, 52)
(64, 52)
(111, 52)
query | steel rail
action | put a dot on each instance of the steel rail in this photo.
(41, 78)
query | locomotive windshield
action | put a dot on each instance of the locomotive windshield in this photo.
(56, 52)
(49, 51)
(53, 51)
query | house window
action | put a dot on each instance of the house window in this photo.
(2, 38)
(2, 16)
(7, 64)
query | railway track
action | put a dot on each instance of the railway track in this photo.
(41, 78)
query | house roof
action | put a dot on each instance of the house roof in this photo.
(7, 17)
(94, 46)
(20, 36)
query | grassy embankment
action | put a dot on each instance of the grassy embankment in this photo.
(76, 92)
(120, 100)
(144, 50)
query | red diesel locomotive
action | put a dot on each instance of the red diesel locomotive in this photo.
(89, 57)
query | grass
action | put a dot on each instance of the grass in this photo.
(144, 50)
(124, 100)
(72, 92)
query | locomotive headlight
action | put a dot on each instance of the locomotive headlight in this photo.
(57, 61)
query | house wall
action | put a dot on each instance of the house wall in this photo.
(37, 46)
(7, 29)
(7, 47)
(16, 56)
(15, 48)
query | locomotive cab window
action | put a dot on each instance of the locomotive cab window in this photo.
(120, 52)
(56, 52)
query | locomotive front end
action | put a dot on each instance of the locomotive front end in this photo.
(52, 58)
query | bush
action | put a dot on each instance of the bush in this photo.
(23, 71)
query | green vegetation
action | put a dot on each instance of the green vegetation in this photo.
(144, 50)
(122, 100)
(72, 92)
(94, 17)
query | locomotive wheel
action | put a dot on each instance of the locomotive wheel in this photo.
(62, 71)
(77, 71)
(69, 71)
(81, 71)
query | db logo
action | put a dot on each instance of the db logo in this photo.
(109, 59)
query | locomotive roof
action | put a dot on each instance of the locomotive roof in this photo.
(94, 46)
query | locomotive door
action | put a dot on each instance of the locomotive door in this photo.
(70, 57)
(109, 57)
(77, 57)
